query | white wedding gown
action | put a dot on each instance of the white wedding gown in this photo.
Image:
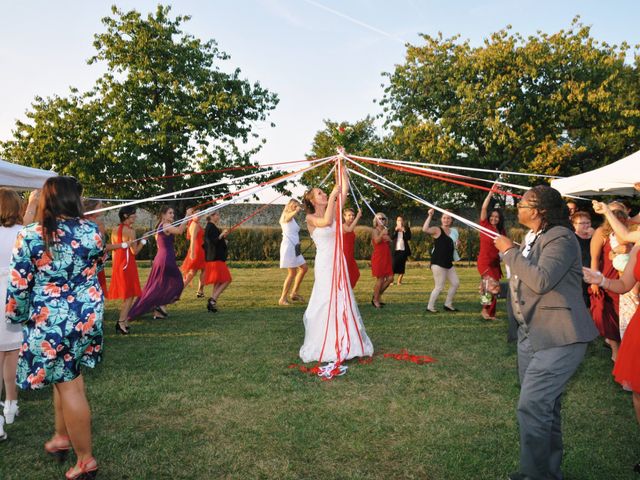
(332, 307)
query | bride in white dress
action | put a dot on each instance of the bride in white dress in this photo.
(334, 331)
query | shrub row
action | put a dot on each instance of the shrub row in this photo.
(263, 244)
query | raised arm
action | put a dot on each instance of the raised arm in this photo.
(433, 231)
(354, 224)
(180, 228)
(288, 215)
(619, 228)
(485, 205)
(329, 214)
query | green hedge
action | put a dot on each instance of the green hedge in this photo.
(263, 244)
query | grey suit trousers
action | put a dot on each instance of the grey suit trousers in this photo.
(543, 378)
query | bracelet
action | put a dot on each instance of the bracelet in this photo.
(601, 284)
(143, 241)
(124, 245)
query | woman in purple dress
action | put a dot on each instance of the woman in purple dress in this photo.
(164, 285)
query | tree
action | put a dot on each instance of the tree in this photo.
(556, 104)
(163, 107)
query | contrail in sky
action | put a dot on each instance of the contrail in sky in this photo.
(356, 21)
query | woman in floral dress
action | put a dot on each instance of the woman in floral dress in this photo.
(54, 292)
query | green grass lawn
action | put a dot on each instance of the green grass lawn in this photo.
(210, 396)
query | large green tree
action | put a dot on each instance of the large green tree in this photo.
(163, 107)
(356, 138)
(557, 104)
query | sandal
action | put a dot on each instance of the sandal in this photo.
(296, 298)
(86, 470)
(58, 447)
(283, 302)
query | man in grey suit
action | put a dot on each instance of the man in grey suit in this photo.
(552, 325)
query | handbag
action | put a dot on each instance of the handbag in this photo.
(298, 249)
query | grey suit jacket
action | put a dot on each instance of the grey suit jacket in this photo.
(548, 291)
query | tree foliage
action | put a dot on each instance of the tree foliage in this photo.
(557, 104)
(163, 106)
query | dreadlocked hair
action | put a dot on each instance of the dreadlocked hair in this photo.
(552, 209)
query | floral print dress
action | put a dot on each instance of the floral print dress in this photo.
(57, 298)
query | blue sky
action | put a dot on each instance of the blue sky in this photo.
(324, 58)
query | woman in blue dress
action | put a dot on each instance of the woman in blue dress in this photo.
(54, 292)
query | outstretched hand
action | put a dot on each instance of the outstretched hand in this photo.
(503, 243)
(591, 276)
(599, 207)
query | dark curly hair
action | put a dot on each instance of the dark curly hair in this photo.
(552, 209)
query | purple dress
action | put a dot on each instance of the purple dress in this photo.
(165, 284)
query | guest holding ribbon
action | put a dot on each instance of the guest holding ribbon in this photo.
(442, 257)
(54, 292)
(164, 285)
(489, 256)
(194, 262)
(125, 281)
(217, 273)
(551, 324)
(349, 243)
(290, 254)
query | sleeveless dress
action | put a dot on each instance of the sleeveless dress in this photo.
(10, 334)
(381, 263)
(627, 368)
(290, 238)
(489, 262)
(332, 307)
(605, 305)
(165, 284)
(125, 282)
(349, 245)
(197, 263)
(58, 300)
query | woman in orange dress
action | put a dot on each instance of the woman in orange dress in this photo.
(381, 263)
(125, 283)
(194, 262)
(349, 243)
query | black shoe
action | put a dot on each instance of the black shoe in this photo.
(159, 313)
(120, 330)
(199, 295)
(637, 468)
(211, 305)
(451, 309)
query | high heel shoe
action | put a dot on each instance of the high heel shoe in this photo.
(199, 295)
(121, 330)
(158, 314)
(86, 470)
(58, 447)
(211, 305)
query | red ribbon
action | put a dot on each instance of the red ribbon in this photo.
(408, 357)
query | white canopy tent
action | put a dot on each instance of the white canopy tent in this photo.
(20, 177)
(616, 178)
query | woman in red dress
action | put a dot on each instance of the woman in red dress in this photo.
(605, 305)
(349, 243)
(381, 264)
(194, 262)
(125, 283)
(489, 256)
(626, 370)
